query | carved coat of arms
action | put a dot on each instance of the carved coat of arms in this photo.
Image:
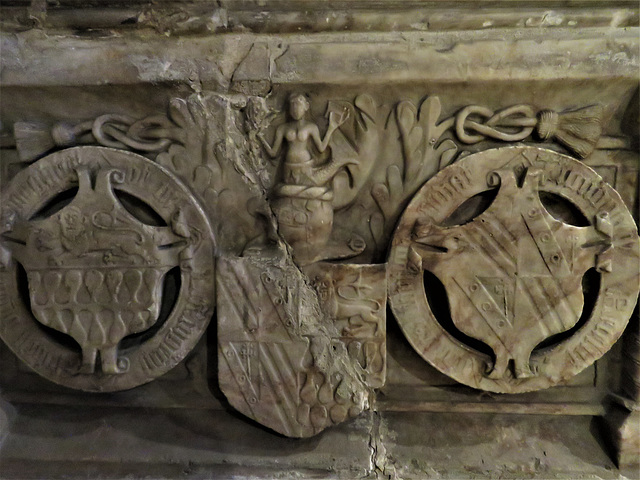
(509, 270)
(539, 261)
(95, 270)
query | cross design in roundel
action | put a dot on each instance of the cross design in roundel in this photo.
(115, 259)
(514, 269)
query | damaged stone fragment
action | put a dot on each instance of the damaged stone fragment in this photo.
(281, 360)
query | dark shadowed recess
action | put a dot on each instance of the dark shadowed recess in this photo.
(56, 204)
(563, 210)
(471, 208)
(439, 304)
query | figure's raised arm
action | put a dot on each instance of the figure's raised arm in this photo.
(334, 123)
(274, 150)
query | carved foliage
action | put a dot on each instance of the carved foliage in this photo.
(211, 154)
(424, 154)
(214, 143)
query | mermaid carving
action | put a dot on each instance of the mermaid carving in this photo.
(302, 202)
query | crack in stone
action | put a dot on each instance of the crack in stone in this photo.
(380, 465)
(329, 357)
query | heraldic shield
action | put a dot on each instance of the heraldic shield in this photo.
(92, 234)
(539, 260)
(300, 352)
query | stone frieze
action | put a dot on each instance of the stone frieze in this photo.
(526, 249)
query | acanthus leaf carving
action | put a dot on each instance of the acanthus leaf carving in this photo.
(359, 139)
(424, 153)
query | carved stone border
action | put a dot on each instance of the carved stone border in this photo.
(29, 191)
(466, 178)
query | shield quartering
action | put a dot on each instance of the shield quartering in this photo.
(538, 257)
(298, 357)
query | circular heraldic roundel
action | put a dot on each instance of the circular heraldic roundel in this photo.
(107, 271)
(514, 269)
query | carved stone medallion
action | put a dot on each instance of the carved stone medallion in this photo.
(514, 269)
(95, 242)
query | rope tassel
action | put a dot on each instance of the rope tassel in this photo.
(151, 134)
(578, 130)
(33, 139)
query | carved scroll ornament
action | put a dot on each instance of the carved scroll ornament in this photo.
(515, 316)
(95, 317)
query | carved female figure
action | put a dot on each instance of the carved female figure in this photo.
(303, 201)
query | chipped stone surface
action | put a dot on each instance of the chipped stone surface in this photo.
(303, 134)
(280, 361)
(514, 268)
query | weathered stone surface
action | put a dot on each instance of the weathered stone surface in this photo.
(467, 446)
(337, 59)
(303, 134)
(196, 444)
(281, 359)
(95, 271)
(512, 234)
(177, 442)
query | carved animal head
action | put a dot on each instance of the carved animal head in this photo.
(324, 287)
(45, 240)
(72, 222)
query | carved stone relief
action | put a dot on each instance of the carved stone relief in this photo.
(354, 181)
(93, 234)
(354, 299)
(290, 197)
(319, 239)
(539, 261)
(301, 342)
(303, 202)
(282, 360)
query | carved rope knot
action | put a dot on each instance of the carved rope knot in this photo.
(150, 134)
(578, 130)
(509, 125)
(122, 131)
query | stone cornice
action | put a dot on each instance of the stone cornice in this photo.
(296, 16)
(34, 58)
